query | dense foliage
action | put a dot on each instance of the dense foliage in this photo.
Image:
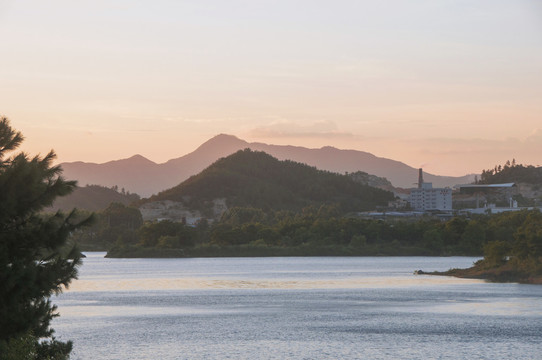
(514, 253)
(325, 231)
(35, 259)
(371, 180)
(512, 172)
(256, 179)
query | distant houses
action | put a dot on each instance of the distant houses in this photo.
(444, 203)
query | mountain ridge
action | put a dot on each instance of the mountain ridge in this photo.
(145, 177)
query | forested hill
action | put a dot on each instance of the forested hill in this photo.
(255, 179)
(512, 172)
(371, 180)
(93, 198)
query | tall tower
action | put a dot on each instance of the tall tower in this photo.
(420, 178)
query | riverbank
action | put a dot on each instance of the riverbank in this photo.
(503, 274)
(266, 251)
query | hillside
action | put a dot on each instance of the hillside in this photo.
(145, 177)
(372, 180)
(92, 198)
(341, 161)
(135, 174)
(255, 179)
(512, 172)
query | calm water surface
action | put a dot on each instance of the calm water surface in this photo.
(295, 308)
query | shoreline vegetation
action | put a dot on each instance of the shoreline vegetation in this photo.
(510, 243)
(514, 258)
(131, 251)
(501, 274)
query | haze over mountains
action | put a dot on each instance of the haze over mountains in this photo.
(144, 177)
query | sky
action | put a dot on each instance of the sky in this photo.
(451, 86)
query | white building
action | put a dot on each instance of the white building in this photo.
(426, 198)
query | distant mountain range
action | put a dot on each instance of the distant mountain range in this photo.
(144, 177)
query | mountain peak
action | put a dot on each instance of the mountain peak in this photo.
(223, 141)
(138, 157)
(137, 160)
(223, 136)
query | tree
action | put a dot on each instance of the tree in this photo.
(151, 233)
(36, 259)
(432, 239)
(527, 245)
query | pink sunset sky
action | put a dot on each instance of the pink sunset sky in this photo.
(453, 86)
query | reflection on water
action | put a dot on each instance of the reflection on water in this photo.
(298, 308)
(211, 283)
(81, 310)
(101, 274)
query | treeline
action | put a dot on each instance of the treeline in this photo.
(512, 172)
(371, 180)
(325, 227)
(322, 230)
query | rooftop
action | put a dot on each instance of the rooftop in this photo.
(487, 186)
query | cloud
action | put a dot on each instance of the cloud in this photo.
(535, 137)
(289, 129)
(189, 120)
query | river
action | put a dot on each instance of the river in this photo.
(294, 308)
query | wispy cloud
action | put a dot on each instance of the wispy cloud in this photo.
(535, 137)
(289, 129)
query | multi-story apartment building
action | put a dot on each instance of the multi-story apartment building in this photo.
(426, 198)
